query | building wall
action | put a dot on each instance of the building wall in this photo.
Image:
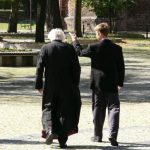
(135, 19)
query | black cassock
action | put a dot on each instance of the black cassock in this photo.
(59, 64)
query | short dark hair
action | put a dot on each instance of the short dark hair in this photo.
(103, 28)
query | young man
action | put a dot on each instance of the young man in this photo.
(59, 64)
(107, 77)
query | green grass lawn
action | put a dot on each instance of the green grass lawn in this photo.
(4, 27)
(16, 72)
(136, 43)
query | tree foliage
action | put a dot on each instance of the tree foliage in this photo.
(109, 8)
(101, 7)
(5, 4)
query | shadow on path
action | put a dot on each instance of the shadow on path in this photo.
(19, 142)
(123, 146)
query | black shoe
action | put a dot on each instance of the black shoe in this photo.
(113, 142)
(62, 141)
(63, 145)
(96, 139)
(50, 137)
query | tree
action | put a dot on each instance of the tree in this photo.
(40, 20)
(77, 19)
(5, 4)
(12, 25)
(53, 15)
(109, 8)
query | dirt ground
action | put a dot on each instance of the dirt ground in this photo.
(20, 108)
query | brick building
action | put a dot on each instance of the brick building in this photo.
(136, 19)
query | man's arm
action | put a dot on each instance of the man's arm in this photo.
(39, 72)
(76, 69)
(78, 48)
(121, 68)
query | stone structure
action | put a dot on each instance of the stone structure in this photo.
(18, 54)
(87, 20)
(135, 19)
(18, 59)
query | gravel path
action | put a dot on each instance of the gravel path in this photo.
(20, 128)
(20, 110)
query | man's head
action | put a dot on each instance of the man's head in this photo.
(101, 30)
(56, 34)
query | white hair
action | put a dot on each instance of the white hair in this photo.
(56, 34)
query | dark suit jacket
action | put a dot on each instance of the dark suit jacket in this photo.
(107, 64)
(59, 63)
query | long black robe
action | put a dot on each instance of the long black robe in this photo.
(59, 63)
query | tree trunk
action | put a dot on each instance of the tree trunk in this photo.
(13, 18)
(53, 19)
(63, 5)
(77, 18)
(40, 20)
(110, 16)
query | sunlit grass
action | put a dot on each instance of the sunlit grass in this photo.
(12, 72)
(4, 27)
(136, 48)
(136, 44)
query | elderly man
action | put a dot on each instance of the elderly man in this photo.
(107, 77)
(61, 96)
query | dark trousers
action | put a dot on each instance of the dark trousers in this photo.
(53, 123)
(101, 101)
